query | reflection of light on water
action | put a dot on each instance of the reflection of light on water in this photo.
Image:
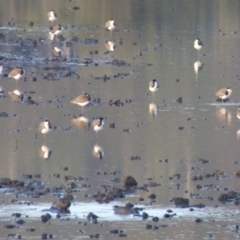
(105, 211)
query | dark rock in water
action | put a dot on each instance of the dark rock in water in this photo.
(200, 205)
(14, 235)
(204, 161)
(30, 229)
(229, 197)
(109, 194)
(44, 236)
(181, 202)
(144, 216)
(129, 182)
(179, 100)
(26, 176)
(17, 215)
(149, 226)
(46, 217)
(152, 196)
(129, 205)
(20, 221)
(122, 235)
(155, 219)
(9, 226)
(198, 220)
(4, 114)
(92, 217)
(114, 231)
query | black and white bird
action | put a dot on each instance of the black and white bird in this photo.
(224, 93)
(52, 16)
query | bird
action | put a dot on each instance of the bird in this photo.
(45, 127)
(98, 124)
(54, 31)
(61, 204)
(198, 45)
(224, 93)
(238, 113)
(110, 26)
(52, 16)
(97, 151)
(110, 46)
(153, 86)
(16, 95)
(82, 100)
(124, 210)
(16, 73)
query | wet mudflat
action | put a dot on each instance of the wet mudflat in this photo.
(179, 144)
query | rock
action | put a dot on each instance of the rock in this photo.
(181, 202)
(129, 182)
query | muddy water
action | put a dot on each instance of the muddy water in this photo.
(157, 43)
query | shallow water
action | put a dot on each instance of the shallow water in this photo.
(169, 139)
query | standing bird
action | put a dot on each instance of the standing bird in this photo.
(16, 73)
(45, 127)
(153, 86)
(224, 93)
(110, 26)
(198, 45)
(82, 100)
(52, 16)
(97, 124)
(54, 31)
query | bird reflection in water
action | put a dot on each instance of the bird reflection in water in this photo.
(97, 151)
(110, 46)
(45, 152)
(56, 51)
(224, 115)
(198, 66)
(81, 122)
(16, 95)
(153, 109)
